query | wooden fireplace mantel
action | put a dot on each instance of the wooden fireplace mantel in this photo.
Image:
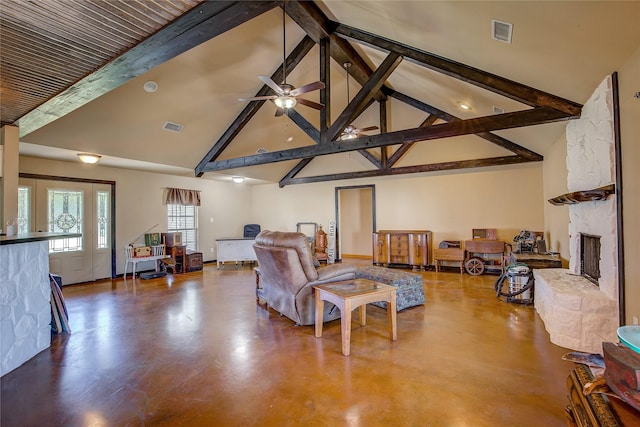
(600, 193)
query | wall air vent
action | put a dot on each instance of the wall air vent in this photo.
(501, 31)
(173, 127)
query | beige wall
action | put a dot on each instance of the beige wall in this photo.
(629, 79)
(139, 201)
(556, 218)
(506, 198)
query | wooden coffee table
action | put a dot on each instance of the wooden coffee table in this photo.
(349, 295)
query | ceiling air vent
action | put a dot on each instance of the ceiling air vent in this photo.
(173, 127)
(498, 110)
(262, 150)
(501, 31)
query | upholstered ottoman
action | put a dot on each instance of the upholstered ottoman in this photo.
(410, 291)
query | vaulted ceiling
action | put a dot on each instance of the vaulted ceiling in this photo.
(73, 76)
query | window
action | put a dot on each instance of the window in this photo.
(184, 219)
(102, 218)
(24, 209)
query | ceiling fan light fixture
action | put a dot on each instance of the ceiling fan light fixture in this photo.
(285, 102)
(89, 158)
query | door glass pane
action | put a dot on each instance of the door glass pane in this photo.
(24, 209)
(102, 224)
(65, 216)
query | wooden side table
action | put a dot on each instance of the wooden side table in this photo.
(449, 254)
(179, 254)
(347, 296)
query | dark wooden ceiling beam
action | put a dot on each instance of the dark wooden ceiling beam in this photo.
(495, 139)
(365, 95)
(445, 130)
(522, 93)
(204, 22)
(434, 167)
(316, 24)
(298, 53)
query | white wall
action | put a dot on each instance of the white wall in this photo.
(139, 201)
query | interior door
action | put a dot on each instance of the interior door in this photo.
(355, 212)
(75, 207)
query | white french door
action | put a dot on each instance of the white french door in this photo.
(75, 207)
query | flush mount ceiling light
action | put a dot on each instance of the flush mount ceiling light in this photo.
(237, 179)
(88, 158)
(150, 86)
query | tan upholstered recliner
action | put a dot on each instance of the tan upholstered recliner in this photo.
(288, 274)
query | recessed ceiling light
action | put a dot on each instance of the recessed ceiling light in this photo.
(464, 106)
(290, 139)
(150, 86)
(237, 179)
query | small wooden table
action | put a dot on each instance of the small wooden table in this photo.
(349, 295)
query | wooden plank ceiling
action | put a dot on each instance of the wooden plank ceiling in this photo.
(107, 43)
(87, 33)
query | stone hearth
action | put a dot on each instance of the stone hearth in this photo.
(576, 313)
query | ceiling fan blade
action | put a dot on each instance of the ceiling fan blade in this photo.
(279, 112)
(259, 98)
(307, 88)
(310, 103)
(266, 80)
(368, 128)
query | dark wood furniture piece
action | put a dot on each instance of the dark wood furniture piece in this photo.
(449, 254)
(537, 260)
(484, 254)
(595, 409)
(194, 261)
(403, 247)
(179, 254)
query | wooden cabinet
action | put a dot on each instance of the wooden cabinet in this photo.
(449, 254)
(179, 254)
(402, 247)
(239, 249)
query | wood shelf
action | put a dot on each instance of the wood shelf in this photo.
(600, 193)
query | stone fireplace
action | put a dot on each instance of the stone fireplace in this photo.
(579, 312)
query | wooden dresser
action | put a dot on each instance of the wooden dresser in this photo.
(402, 247)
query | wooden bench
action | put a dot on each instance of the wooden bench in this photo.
(158, 252)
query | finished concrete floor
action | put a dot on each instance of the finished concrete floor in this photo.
(196, 350)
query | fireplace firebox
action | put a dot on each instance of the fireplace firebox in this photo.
(590, 257)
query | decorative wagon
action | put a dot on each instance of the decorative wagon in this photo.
(484, 254)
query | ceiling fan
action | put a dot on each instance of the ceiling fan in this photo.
(286, 95)
(352, 132)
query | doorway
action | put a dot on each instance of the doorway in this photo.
(355, 220)
(74, 206)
